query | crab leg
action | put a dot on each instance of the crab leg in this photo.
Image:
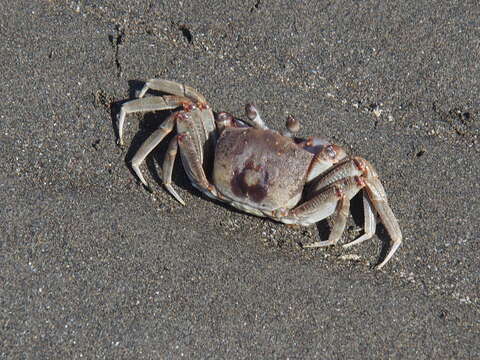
(167, 169)
(183, 93)
(172, 87)
(347, 168)
(352, 167)
(377, 195)
(150, 144)
(193, 166)
(203, 131)
(344, 180)
(154, 103)
(369, 222)
(343, 207)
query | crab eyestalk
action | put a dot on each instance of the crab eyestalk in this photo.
(254, 117)
(224, 120)
(293, 126)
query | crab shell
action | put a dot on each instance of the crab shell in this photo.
(260, 171)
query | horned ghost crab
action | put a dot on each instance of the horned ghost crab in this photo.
(259, 170)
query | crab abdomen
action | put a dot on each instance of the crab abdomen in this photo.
(260, 168)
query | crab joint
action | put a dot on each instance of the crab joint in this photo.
(181, 137)
(359, 181)
(339, 191)
(188, 106)
(203, 105)
(181, 116)
(360, 165)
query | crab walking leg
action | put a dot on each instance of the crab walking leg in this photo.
(167, 169)
(207, 121)
(150, 144)
(375, 198)
(200, 125)
(378, 197)
(172, 87)
(369, 222)
(193, 166)
(154, 103)
(339, 223)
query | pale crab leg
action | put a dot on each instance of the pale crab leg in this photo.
(167, 169)
(193, 166)
(172, 87)
(154, 103)
(182, 91)
(366, 177)
(203, 131)
(370, 222)
(150, 144)
(349, 167)
(377, 195)
(339, 224)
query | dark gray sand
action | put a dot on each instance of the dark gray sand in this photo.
(94, 266)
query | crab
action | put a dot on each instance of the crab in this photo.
(259, 170)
